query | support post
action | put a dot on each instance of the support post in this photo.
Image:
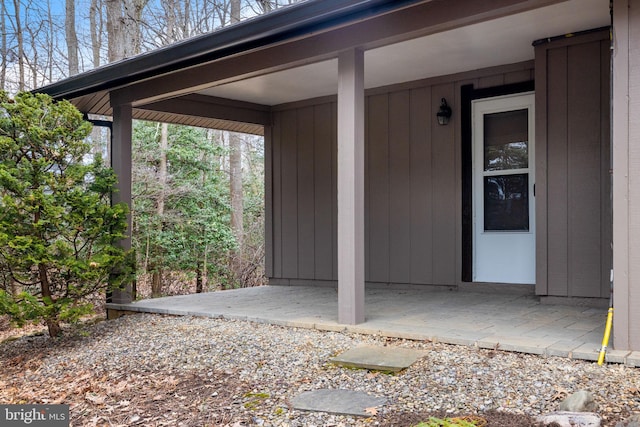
(351, 187)
(626, 175)
(121, 163)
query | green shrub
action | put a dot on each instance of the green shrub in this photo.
(57, 225)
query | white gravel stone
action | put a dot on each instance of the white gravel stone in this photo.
(285, 362)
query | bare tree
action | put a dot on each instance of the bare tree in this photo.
(235, 178)
(131, 26)
(17, 27)
(50, 42)
(95, 28)
(4, 48)
(71, 36)
(115, 39)
(156, 280)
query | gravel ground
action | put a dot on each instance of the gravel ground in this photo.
(161, 370)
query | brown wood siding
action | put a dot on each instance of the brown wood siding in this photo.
(412, 183)
(572, 164)
(445, 192)
(626, 173)
(400, 187)
(323, 192)
(268, 200)
(306, 199)
(634, 175)
(377, 147)
(289, 187)
(421, 162)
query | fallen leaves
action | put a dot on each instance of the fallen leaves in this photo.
(372, 412)
(559, 393)
(154, 398)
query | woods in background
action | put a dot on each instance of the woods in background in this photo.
(198, 209)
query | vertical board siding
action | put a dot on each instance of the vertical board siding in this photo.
(367, 199)
(421, 189)
(577, 160)
(334, 185)
(634, 174)
(323, 194)
(399, 187)
(606, 229)
(584, 169)
(557, 161)
(289, 186)
(276, 195)
(412, 187)
(378, 188)
(306, 203)
(268, 200)
(444, 187)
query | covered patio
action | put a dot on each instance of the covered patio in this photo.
(510, 321)
(368, 193)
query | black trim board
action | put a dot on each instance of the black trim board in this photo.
(468, 94)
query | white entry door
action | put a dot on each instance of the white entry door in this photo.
(503, 189)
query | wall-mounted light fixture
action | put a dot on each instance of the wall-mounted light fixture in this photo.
(444, 113)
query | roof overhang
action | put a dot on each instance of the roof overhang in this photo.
(232, 77)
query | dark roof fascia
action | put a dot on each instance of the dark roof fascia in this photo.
(279, 26)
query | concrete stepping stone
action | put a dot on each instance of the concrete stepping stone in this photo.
(391, 359)
(338, 401)
(570, 419)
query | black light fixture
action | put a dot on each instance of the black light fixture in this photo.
(444, 113)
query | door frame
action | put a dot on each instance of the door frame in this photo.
(467, 94)
(518, 269)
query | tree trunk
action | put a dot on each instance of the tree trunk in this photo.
(3, 46)
(72, 38)
(162, 168)
(131, 26)
(235, 11)
(265, 5)
(237, 214)
(95, 27)
(156, 283)
(52, 322)
(20, 40)
(156, 279)
(115, 40)
(51, 47)
(199, 278)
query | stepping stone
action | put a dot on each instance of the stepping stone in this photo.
(570, 419)
(392, 359)
(341, 402)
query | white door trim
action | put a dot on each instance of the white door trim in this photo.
(502, 256)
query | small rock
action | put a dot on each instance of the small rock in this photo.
(570, 419)
(633, 421)
(580, 401)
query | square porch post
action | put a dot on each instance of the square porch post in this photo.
(351, 187)
(626, 174)
(121, 135)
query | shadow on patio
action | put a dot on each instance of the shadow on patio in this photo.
(507, 321)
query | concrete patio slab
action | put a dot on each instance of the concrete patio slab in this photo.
(338, 401)
(392, 359)
(633, 359)
(617, 356)
(514, 321)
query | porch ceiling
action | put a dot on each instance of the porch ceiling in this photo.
(499, 41)
(436, 49)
